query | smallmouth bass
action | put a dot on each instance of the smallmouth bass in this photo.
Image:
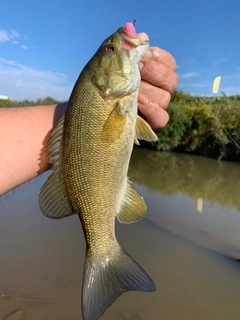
(90, 149)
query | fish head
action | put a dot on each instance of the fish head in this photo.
(115, 72)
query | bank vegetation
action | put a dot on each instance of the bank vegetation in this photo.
(204, 126)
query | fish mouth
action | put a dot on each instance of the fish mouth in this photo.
(130, 41)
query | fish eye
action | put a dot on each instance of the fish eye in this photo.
(110, 49)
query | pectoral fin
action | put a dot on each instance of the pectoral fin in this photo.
(144, 131)
(133, 206)
(53, 198)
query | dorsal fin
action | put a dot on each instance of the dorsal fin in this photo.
(53, 199)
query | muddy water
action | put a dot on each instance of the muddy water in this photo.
(189, 245)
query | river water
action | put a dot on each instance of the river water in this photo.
(189, 244)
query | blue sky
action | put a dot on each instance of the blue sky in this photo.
(45, 44)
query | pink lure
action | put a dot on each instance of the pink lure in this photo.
(130, 28)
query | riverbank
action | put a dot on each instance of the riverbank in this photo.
(196, 126)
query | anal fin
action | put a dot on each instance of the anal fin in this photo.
(133, 206)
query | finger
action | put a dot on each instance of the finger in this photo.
(161, 56)
(158, 75)
(157, 54)
(148, 92)
(154, 115)
(143, 36)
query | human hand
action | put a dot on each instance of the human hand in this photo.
(158, 81)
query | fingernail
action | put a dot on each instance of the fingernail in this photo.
(140, 65)
(143, 99)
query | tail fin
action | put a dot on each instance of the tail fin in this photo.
(105, 279)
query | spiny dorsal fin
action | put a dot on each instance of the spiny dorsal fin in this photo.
(133, 206)
(144, 131)
(53, 198)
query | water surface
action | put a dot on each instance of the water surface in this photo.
(191, 251)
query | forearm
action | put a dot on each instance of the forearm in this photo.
(24, 131)
(23, 135)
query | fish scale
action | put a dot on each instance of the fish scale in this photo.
(90, 149)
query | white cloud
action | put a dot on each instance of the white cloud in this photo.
(194, 88)
(199, 85)
(233, 76)
(14, 34)
(230, 91)
(195, 85)
(20, 82)
(4, 37)
(220, 61)
(10, 36)
(189, 75)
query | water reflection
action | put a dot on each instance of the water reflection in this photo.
(173, 173)
(191, 196)
(41, 260)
